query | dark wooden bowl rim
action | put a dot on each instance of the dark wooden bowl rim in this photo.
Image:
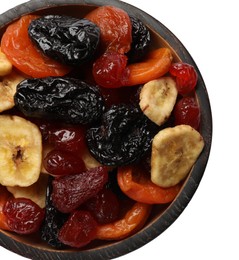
(159, 225)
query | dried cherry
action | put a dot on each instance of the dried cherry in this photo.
(65, 99)
(122, 138)
(70, 191)
(110, 70)
(59, 162)
(187, 112)
(104, 206)
(186, 77)
(67, 39)
(79, 230)
(68, 138)
(23, 215)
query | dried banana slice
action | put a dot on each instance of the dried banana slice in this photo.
(20, 151)
(157, 99)
(8, 85)
(36, 192)
(5, 64)
(174, 152)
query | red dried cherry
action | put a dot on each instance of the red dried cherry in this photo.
(70, 139)
(23, 215)
(187, 112)
(110, 70)
(186, 77)
(79, 230)
(59, 162)
(104, 206)
(70, 191)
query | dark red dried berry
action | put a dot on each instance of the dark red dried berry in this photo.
(23, 215)
(70, 139)
(186, 77)
(110, 70)
(59, 162)
(70, 191)
(187, 112)
(104, 206)
(79, 230)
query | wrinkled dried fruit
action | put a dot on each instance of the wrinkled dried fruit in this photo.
(110, 70)
(23, 215)
(141, 40)
(59, 162)
(104, 206)
(64, 99)
(122, 138)
(79, 230)
(67, 39)
(70, 191)
(68, 138)
(53, 220)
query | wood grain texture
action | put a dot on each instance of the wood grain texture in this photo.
(161, 218)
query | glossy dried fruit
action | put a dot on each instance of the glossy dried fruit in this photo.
(70, 191)
(186, 77)
(79, 230)
(23, 215)
(68, 138)
(64, 99)
(115, 28)
(59, 162)
(122, 138)
(187, 112)
(110, 70)
(67, 39)
(141, 40)
(104, 206)
(53, 220)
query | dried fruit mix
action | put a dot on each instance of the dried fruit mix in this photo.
(100, 147)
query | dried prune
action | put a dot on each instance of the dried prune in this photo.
(53, 221)
(67, 39)
(141, 39)
(122, 138)
(65, 99)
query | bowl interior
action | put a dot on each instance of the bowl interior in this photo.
(162, 215)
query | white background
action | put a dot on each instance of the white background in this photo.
(208, 228)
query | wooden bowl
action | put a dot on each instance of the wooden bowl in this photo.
(162, 216)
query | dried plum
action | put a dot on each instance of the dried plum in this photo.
(67, 39)
(122, 138)
(64, 99)
(141, 39)
(53, 221)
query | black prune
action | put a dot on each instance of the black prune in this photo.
(141, 39)
(67, 39)
(122, 138)
(53, 221)
(64, 99)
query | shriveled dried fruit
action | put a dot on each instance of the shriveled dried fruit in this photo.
(59, 162)
(141, 40)
(122, 138)
(64, 99)
(70, 191)
(104, 206)
(79, 230)
(67, 39)
(23, 215)
(53, 220)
